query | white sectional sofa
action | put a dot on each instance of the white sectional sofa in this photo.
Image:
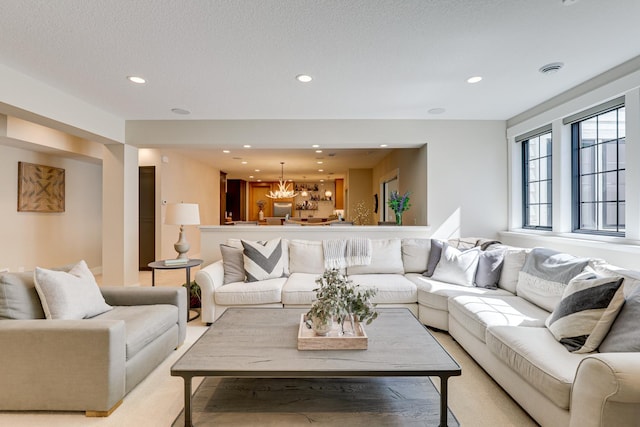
(503, 328)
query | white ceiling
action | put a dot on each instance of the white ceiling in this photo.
(370, 59)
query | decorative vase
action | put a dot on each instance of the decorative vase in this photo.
(321, 326)
(261, 215)
(398, 218)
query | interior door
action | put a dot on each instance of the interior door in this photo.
(146, 216)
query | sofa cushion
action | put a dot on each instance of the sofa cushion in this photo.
(624, 335)
(233, 264)
(513, 262)
(457, 267)
(299, 289)
(392, 288)
(434, 294)
(263, 260)
(538, 358)
(143, 323)
(476, 313)
(69, 295)
(545, 275)
(18, 297)
(586, 312)
(306, 256)
(489, 268)
(415, 255)
(386, 258)
(242, 293)
(631, 277)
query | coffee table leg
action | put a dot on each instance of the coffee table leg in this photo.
(187, 402)
(443, 401)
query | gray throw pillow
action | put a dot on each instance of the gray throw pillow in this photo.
(18, 297)
(434, 257)
(624, 335)
(489, 268)
(233, 264)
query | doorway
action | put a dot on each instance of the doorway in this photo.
(146, 216)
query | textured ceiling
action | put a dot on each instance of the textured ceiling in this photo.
(370, 59)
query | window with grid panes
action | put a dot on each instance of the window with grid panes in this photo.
(536, 167)
(599, 173)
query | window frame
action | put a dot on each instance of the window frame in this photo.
(598, 172)
(524, 140)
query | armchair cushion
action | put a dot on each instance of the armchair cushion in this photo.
(143, 323)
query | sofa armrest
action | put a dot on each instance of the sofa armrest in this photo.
(72, 365)
(117, 295)
(209, 279)
(606, 390)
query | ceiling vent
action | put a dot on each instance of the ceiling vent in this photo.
(552, 68)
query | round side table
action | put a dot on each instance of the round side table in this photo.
(160, 265)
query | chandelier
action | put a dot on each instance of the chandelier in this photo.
(283, 191)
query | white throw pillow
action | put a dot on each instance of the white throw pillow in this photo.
(513, 262)
(415, 255)
(457, 267)
(69, 295)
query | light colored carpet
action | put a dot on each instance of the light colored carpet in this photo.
(353, 402)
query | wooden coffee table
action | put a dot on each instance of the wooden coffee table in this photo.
(261, 343)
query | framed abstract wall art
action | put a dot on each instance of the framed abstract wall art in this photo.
(40, 188)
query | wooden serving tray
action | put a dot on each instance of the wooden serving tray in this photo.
(308, 340)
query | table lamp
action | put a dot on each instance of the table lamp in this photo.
(182, 214)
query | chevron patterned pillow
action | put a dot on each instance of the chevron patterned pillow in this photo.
(588, 308)
(263, 259)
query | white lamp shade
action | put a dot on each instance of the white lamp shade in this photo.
(182, 214)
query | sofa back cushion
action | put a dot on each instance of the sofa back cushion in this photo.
(18, 297)
(415, 255)
(386, 258)
(545, 275)
(232, 263)
(306, 256)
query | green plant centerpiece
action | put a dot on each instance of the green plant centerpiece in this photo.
(338, 299)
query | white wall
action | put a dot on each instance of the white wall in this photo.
(467, 178)
(32, 239)
(182, 179)
(620, 81)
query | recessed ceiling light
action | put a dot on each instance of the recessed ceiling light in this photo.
(383, 145)
(136, 79)
(246, 146)
(181, 111)
(319, 162)
(259, 180)
(304, 78)
(315, 146)
(551, 68)
(322, 180)
(243, 162)
(318, 151)
(320, 170)
(256, 170)
(474, 79)
(436, 111)
(226, 151)
(250, 176)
